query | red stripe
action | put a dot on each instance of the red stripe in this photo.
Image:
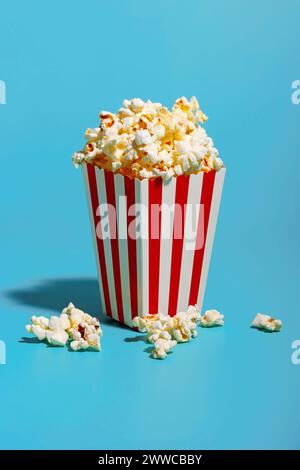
(95, 204)
(154, 220)
(205, 201)
(181, 195)
(131, 242)
(111, 199)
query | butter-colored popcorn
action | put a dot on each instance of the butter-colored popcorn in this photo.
(85, 336)
(164, 331)
(38, 327)
(163, 344)
(184, 324)
(73, 324)
(267, 323)
(156, 333)
(84, 330)
(150, 322)
(212, 318)
(57, 337)
(53, 330)
(145, 140)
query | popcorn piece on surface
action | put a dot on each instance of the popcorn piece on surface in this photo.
(38, 327)
(150, 322)
(52, 330)
(73, 324)
(163, 345)
(164, 331)
(154, 335)
(265, 322)
(212, 318)
(184, 324)
(84, 331)
(86, 335)
(146, 140)
(57, 337)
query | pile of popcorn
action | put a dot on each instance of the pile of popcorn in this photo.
(164, 332)
(73, 325)
(146, 140)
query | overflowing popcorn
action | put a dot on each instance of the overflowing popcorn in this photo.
(146, 140)
(265, 322)
(212, 318)
(164, 332)
(81, 329)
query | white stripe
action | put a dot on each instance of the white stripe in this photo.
(142, 245)
(93, 228)
(138, 242)
(107, 245)
(123, 245)
(167, 221)
(214, 209)
(191, 223)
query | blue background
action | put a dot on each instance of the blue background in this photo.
(63, 62)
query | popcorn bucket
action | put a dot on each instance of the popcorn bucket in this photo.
(153, 240)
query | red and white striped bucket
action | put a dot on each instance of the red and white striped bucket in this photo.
(152, 239)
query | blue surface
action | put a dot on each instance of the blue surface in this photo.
(62, 63)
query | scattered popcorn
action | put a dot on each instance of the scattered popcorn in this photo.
(83, 330)
(184, 325)
(57, 337)
(266, 322)
(53, 330)
(145, 140)
(151, 322)
(38, 327)
(163, 345)
(212, 318)
(164, 332)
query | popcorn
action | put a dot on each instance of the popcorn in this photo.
(146, 140)
(38, 327)
(78, 158)
(163, 345)
(85, 331)
(57, 337)
(212, 318)
(184, 324)
(142, 137)
(53, 330)
(267, 323)
(73, 324)
(151, 322)
(164, 332)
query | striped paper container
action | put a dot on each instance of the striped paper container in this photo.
(152, 240)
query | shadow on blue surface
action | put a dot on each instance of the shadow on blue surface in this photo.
(54, 295)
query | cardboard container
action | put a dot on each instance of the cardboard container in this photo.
(152, 239)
